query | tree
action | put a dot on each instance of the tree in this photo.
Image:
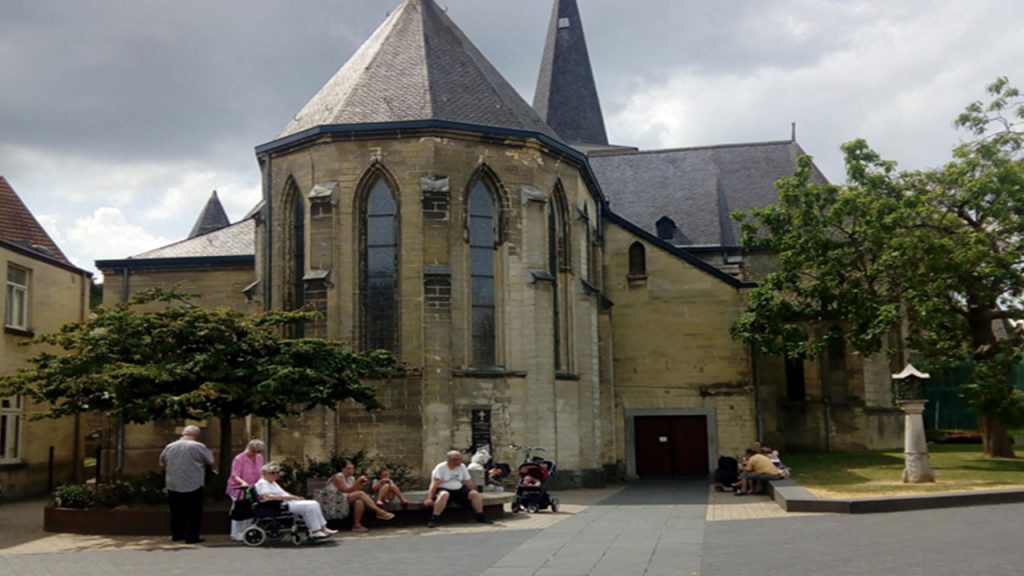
(937, 255)
(159, 357)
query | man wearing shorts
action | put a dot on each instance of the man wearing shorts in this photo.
(450, 481)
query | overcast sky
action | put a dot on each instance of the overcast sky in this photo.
(119, 117)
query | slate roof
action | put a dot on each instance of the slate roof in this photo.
(19, 226)
(212, 218)
(234, 240)
(418, 66)
(696, 187)
(566, 95)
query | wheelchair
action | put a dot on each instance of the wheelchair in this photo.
(272, 522)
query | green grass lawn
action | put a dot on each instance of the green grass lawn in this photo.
(864, 474)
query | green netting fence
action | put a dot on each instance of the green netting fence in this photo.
(947, 409)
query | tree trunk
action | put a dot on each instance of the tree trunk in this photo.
(995, 437)
(224, 464)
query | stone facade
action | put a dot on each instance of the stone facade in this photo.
(57, 295)
(429, 407)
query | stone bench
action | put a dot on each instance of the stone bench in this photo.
(493, 501)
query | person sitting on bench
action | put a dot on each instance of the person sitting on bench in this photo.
(450, 480)
(756, 470)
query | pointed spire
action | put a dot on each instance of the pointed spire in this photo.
(566, 92)
(418, 66)
(212, 219)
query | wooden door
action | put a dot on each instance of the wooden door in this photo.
(671, 446)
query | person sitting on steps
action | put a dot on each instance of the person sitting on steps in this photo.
(355, 489)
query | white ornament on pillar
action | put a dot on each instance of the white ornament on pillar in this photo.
(917, 468)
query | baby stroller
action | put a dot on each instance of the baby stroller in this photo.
(532, 487)
(272, 521)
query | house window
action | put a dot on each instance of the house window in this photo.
(16, 314)
(10, 430)
(482, 242)
(637, 259)
(380, 268)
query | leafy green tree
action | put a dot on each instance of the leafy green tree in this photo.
(936, 255)
(160, 357)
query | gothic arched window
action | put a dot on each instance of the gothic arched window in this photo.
(560, 268)
(482, 243)
(380, 267)
(637, 259)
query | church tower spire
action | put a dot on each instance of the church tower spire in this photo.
(212, 218)
(566, 95)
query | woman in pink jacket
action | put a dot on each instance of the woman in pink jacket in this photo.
(245, 471)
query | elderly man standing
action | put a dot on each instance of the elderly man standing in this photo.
(185, 461)
(450, 480)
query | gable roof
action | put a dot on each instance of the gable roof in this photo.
(566, 96)
(18, 226)
(213, 217)
(418, 66)
(697, 188)
(233, 240)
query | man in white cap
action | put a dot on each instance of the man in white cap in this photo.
(184, 462)
(450, 480)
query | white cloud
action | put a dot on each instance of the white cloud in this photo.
(107, 234)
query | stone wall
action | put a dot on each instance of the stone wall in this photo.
(672, 349)
(429, 407)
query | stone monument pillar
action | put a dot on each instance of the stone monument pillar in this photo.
(908, 391)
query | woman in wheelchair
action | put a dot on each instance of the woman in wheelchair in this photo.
(309, 510)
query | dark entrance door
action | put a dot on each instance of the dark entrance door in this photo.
(671, 446)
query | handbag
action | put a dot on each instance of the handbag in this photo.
(241, 509)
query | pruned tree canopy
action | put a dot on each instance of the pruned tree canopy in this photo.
(158, 356)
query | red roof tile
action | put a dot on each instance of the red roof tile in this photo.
(19, 226)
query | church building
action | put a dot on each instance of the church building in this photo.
(540, 285)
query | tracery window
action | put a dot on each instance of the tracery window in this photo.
(482, 243)
(560, 269)
(380, 267)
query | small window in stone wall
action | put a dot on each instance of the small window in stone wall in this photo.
(836, 379)
(796, 380)
(637, 260)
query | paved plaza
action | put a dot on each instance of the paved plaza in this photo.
(648, 529)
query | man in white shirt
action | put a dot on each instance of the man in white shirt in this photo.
(450, 480)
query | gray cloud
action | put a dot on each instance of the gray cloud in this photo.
(145, 104)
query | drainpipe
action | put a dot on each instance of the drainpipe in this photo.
(119, 460)
(754, 352)
(826, 400)
(268, 214)
(268, 255)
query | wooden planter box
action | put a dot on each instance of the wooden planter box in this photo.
(141, 522)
